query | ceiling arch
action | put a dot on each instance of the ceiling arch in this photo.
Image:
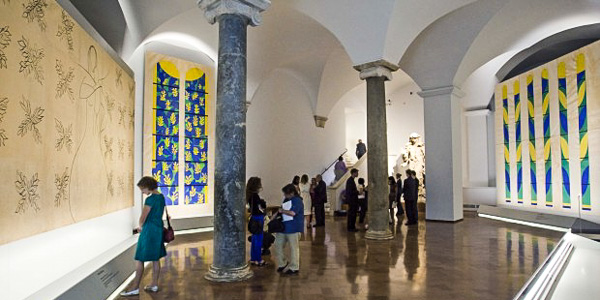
(435, 55)
(522, 23)
(410, 18)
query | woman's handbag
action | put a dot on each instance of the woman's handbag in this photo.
(168, 233)
(254, 226)
(276, 225)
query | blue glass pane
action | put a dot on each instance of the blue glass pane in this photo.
(196, 150)
(167, 122)
(166, 148)
(195, 126)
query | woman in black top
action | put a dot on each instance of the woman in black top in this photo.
(392, 197)
(257, 210)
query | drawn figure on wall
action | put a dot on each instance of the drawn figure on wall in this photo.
(413, 157)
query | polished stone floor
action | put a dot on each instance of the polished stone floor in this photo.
(472, 259)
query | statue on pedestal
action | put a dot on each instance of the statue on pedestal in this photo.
(413, 157)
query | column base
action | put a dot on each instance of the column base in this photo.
(228, 275)
(379, 235)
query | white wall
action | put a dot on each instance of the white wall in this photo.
(282, 139)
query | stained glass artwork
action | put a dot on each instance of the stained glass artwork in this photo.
(166, 131)
(196, 141)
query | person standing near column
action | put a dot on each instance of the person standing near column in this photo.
(391, 197)
(306, 199)
(411, 194)
(319, 201)
(257, 211)
(361, 149)
(399, 194)
(362, 201)
(292, 210)
(352, 200)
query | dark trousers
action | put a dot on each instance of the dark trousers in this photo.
(319, 214)
(400, 210)
(352, 211)
(257, 241)
(412, 213)
(363, 205)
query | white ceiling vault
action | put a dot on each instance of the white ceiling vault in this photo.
(436, 42)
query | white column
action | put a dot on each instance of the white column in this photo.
(443, 153)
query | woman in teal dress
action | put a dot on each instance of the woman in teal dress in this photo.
(150, 246)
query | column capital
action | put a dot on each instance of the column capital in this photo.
(250, 9)
(379, 68)
(439, 91)
(320, 121)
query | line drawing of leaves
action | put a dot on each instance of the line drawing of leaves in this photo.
(28, 191)
(62, 184)
(108, 143)
(4, 42)
(118, 81)
(131, 118)
(110, 105)
(64, 82)
(121, 184)
(34, 11)
(65, 30)
(122, 113)
(3, 108)
(121, 149)
(32, 119)
(64, 136)
(3, 137)
(131, 89)
(32, 58)
(109, 186)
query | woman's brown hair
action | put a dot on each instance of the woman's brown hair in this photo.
(148, 182)
(253, 186)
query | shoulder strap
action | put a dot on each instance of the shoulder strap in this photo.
(167, 212)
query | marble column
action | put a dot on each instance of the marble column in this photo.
(376, 73)
(233, 16)
(443, 127)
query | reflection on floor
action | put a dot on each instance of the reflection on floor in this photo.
(473, 259)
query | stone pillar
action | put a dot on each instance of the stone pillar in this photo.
(376, 73)
(443, 153)
(229, 257)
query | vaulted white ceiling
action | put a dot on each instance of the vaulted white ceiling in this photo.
(436, 43)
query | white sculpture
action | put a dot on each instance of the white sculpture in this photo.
(413, 157)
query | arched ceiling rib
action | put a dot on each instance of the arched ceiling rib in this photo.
(435, 55)
(520, 24)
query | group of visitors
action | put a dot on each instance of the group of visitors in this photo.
(410, 190)
(300, 198)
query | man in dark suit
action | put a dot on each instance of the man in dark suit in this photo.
(411, 194)
(319, 201)
(399, 194)
(352, 200)
(361, 149)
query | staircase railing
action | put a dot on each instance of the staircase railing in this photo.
(329, 174)
(334, 191)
